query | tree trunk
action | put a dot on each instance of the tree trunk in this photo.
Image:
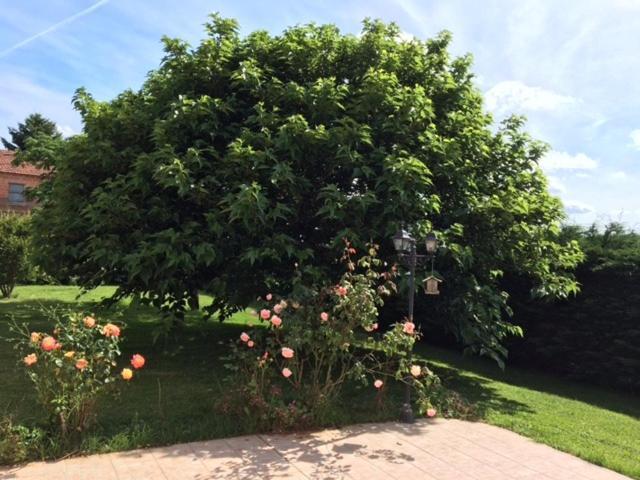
(5, 290)
(194, 300)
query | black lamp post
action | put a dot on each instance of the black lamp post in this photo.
(405, 246)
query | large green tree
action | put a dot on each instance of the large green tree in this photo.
(34, 125)
(242, 163)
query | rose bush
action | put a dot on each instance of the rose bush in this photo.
(73, 365)
(307, 347)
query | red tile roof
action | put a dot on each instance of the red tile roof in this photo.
(6, 159)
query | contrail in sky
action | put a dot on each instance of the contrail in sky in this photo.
(53, 28)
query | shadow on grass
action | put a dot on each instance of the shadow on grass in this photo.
(466, 374)
(480, 392)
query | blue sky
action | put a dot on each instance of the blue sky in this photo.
(572, 67)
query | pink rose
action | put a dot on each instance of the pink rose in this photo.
(276, 321)
(287, 352)
(378, 384)
(341, 291)
(431, 412)
(250, 344)
(416, 370)
(244, 336)
(277, 309)
(286, 373)
(269, 297)
(49, 344)
(265, 314)
(375, 326)
(324, 317)
(409, 327)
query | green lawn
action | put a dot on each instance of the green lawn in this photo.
(172, 400)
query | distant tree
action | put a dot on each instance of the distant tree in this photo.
(14, 242)
(35, 124)
(242, 164)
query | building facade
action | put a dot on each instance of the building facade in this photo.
(14, 182)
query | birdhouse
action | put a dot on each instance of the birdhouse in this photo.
(431, 285)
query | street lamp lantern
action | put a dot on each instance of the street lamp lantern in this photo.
(405, 246)
(431, 242)
(402, 241)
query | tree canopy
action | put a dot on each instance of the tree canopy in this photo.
(241, 164)
(34, 125)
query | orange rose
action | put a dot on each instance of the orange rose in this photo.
(111, 330)
(48, 344)
(127, 374)
(69, 354)
(30, 359)
(81, 364)
(89, 321)
(137, 361)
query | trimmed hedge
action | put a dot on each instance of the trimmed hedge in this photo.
(593, 337)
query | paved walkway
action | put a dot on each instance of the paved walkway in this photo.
(429, 450)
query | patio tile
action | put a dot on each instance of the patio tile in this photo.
(426, 450)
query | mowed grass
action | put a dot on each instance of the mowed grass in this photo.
(173, 398)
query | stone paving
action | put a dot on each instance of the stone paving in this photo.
(429, 450)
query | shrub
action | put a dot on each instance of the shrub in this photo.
(17, 442)
(14, 237)
(314, 342)
(72, 366)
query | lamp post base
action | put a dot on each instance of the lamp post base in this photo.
(406, 413)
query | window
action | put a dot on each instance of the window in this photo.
(16, 193)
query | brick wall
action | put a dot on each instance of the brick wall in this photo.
(9, 177)
(27, 175)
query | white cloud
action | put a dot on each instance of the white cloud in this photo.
(555, 185)
(583, 175)
(555, 160)
(619, 176)
(514, 96)
(635, 138)
(627, 4)
(406, 37)
(578, 208)
(66, 131)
